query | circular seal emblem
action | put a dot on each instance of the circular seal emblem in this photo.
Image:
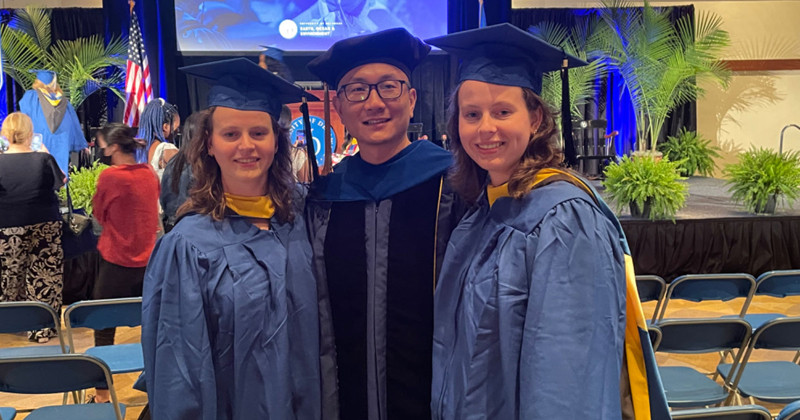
(288, 29)
(317, 132)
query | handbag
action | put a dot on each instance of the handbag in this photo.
(76, 238)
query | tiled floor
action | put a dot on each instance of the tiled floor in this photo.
(135, 400)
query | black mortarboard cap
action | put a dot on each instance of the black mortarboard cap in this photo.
(241, 84)
(395, 46)
(504, 55)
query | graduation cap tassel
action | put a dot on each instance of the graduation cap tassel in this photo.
(566, 116)
(328, 167)
(312, 156)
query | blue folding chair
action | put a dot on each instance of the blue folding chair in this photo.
(651, 289)
(7, 413)
(61, 373)
(772, 381)
(684, 386)
(776, 284)
(790, 412)
(711, 287)
(742, 412)
(655, 335)
(17, 317)
(108, 313)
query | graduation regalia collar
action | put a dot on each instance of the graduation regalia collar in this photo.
(255, 207)
(357, 180)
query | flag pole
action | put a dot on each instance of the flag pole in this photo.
(131, 3)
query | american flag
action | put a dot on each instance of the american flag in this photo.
(137, 83)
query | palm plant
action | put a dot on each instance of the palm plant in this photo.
(84, 66)
(583, 42)
(661, 64)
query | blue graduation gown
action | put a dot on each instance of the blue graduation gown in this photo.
(67, 138)
(230, 322)
(530, 311)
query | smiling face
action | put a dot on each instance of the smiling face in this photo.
(495, 126)
(243, 144)
(376, 122)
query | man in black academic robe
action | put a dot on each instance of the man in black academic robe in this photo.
(379, 229)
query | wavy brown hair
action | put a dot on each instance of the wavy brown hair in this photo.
(469, 179)
(207, 196)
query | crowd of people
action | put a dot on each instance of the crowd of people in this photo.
(411, 282)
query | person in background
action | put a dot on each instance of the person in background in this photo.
(177, 177)
(31, 257)
(126, 206)
(535, 317)
(229, 317)
(53, 117)
(300, 162)
(158, 126)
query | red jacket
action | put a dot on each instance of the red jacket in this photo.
(126, 205)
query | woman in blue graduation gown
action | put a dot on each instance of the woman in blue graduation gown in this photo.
(534, 316)
(230, 323)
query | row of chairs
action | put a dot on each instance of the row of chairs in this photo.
(744, 412)
(719, 287)
(21, 368)
(737, 335)
(769, 381)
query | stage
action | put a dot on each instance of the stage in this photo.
(713, 235)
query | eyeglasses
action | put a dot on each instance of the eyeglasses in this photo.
(359, 92)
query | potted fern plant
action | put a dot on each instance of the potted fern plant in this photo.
(652, 188)
(764, 176)
(695, 153)
(82, 186)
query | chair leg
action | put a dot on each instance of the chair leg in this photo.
(64, 400)
(722, 359)
(796, 358)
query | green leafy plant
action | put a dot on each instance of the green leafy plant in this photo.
(583, 42)
(763, 175)
(82, 186)
(84, 66)
(662, 64)
(645, 181)
(693, 150)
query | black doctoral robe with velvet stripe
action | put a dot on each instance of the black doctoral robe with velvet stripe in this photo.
(379, 234)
